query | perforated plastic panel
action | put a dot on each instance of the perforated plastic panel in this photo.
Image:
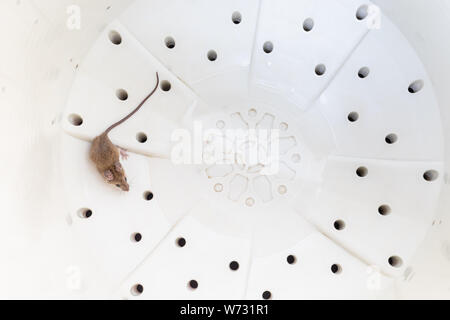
(360, 152)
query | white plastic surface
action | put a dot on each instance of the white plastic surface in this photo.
(228, 212)
(237, 213)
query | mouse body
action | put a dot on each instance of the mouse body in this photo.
(106, 156)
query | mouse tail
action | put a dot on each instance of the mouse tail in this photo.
(118, 123)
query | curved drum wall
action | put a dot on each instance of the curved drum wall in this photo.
(342, 95)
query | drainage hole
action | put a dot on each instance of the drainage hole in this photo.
(282, 189)
(339, 225)
(234, 265)
(115, 37)
(137, 289)
(395, 261)
(362, 12)
(336, 269)
(212, 55)
(136, 237)
(320, 69)
(75, 120)
(363, 72)
(268, 47)
(170, 42)
(252, 113)
(218, 187)
(193, 284)
(236, 17)
(148, 195)
(284, 126)
(431, 175)
(85, 213)
(362, 172)
(141, 137)
(250, 202)
(296, 158)
(384, 210)
(353, 116)
(122, 94)
(416, 86)
(291, 259)
(166, 85)
(267, 295)
(220, 124)
(391, 138)
(308, 25)
(181, 242)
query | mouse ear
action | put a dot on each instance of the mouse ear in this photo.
(108, 175)
(118, 167)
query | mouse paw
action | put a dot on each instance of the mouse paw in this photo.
(123, 153)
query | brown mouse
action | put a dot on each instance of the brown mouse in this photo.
(105, 154)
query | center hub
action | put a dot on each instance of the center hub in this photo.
(256, 157)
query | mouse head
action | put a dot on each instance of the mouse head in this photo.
(116, 175)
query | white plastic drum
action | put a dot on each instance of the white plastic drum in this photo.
(293, 150)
